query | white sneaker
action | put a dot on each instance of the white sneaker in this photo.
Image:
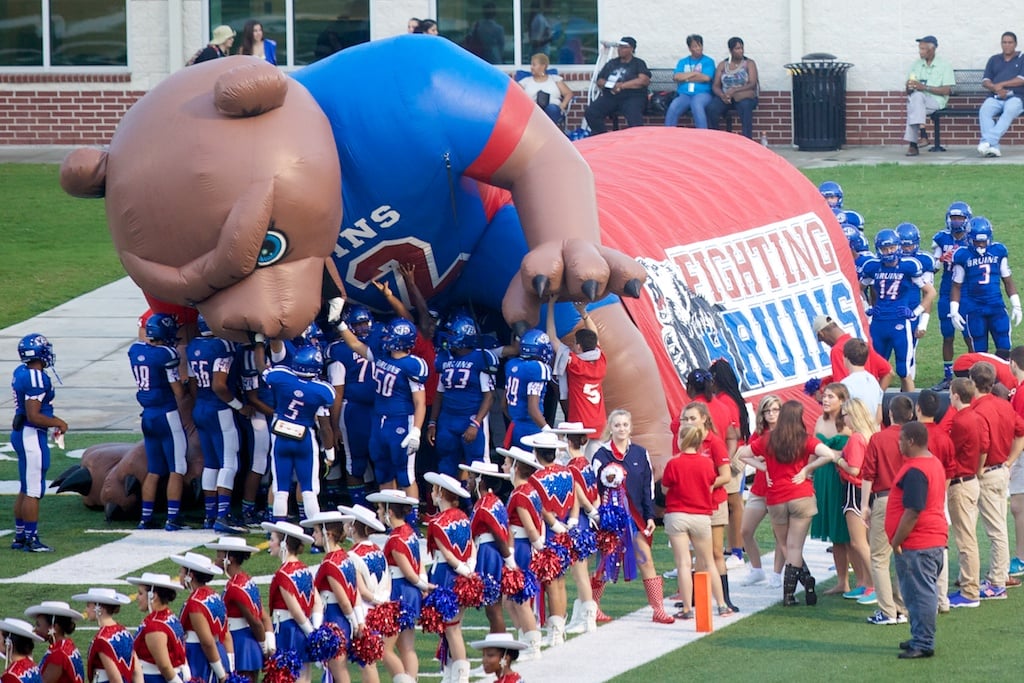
(993, 152)
(733, 562)
(983, 148)
(671, 574)
(774, 580)
(754, 576)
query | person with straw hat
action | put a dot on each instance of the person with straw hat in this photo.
(449, 539)
(19, 639)
(208, 645)
(295, 607)
(526, 528)
(499, 651)
(55, 622)
(220, 45)
(402, 551)
(110, 658)
(160, 641)
(250, 635)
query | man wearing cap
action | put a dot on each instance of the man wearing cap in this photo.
(623, 82)
(220, 45)
(929, 85)
(828, 332)
(1004, 79)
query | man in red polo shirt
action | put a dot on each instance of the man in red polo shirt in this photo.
(829, 333)
(1006, 439)
(1017, 469)
(881, 462)
(970, 443)
(965, 361)
(915, 523)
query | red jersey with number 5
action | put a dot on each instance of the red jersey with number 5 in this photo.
(586, 397)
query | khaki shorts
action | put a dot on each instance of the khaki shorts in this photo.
(1017, 477)
(695, 526)
(799, 508)
(720, 517)
(756, 503)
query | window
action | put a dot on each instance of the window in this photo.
(318, 28)
(565, 30)
(80, 34)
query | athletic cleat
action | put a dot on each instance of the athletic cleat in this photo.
(175, 525)
(209, 523)
(223, 526)
(148, 524)
(1016, 567)
(943, 385)
(879, 619)
(34, 545)
(990, 592)
(18, 543)
(958, 600)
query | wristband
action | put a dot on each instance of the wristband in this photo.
(572, 523)
(329, 454)
(922, 322)
(186, 671)
(475, 422)
(342, 327)
(462, 569)
(423, 585)
(538, 543)
(432, 423)
(235, 404)
(918, 311)
(218, 670)
(318, 619)
(1015, 300)
(231, 661)
(306, 627)
(954, 307)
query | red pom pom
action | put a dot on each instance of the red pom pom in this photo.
(383, 619)
(366, 649)
(563, 540)
(431, 621)
(512, 581)
(607, 542)
(546, 565)
(469, 590)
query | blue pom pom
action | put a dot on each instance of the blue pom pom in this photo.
(584, 542)
(812, 385)
(323, 644)
(614, 518)
(564, 556)
(235, 677)
(444, 601)
(531, 586)
(406, 620)
(492, 589)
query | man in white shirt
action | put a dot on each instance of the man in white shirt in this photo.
(861, 383)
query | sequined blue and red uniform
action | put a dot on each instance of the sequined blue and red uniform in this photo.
(163, 621)
(404, 541)
(22, 671)
(206, 604)
(373, 566)
(339, 566)
(64, 655)
(449, 529)
(114, 641)
(489, 523)
(557, 490)
(524, 497)
(242, 596)
(297, 579)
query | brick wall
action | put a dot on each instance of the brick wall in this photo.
(89, 116)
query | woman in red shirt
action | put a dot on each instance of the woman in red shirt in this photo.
(756, 507)
(858, 425)
(786, 455)
(687, 483)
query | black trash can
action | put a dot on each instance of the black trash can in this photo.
(819, 102)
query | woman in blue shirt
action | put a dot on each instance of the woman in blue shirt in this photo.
(693, 74)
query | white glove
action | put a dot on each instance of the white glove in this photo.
(954, 316)
(510, 562)
(462, 569)
(176, 679)
(329, 455)
(1016, 315)
(353, 620)
(231, 661)
(186, 671)
(334, 308)
(573, 522)
(423, 585)
(218, 670)
(594, 516)
(306, 627)
(317, 619)
(558, 528)
(538, 544)
(269, 644)
(546, 428)
(411, 442)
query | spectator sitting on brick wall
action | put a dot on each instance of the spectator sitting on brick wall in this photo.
(549, 91)
(735, 86)
(1004, 77)
(623, 82)
(929, 84)
(693, 74)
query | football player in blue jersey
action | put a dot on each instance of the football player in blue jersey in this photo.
(254, 423)
(833, 194)
(399, 406)
(976, 305)
(526, 382)
(900, 300)
(852, 218)
(302, 405)
(209, 362)
(351, 375)
(155, 368)
(910, 247)
(944, 244)
(33, 417)
(458, 424)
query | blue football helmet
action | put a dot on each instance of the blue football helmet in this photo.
(360, 320)
(462, 332)
(400, 336)
(309, 337)
(162, 328)
(833, 193)
(308, 361)
(535, 344)
(36, 347)
(887, 247)
(858, 245)
(851, 217)
(957, 216)
(910, 237)
(979, 231)
(204, 328)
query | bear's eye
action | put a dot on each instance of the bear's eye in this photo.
(274, 248)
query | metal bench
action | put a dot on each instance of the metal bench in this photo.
(661, 92)
(968, 84)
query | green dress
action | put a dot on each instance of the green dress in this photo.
(830, 492)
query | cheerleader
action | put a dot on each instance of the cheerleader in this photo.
(110, 658)
(526, 528)
(250, 638)
(402, 552)
(55, 622)
(373, 580)
(499, 651)
(20, 639)
(204, 617)
(585, 611)
(450, 541)
(336, 582)
(295, 607)
(160, 640)
(489, 527)
(621, 454)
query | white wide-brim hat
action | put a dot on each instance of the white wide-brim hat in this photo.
(392, 496)
(447, 482)
(324, 517)
(544, 440)
(54, 608)
(232, 544)
(288, 529)
(19, 627)
(103, 596)
(566, 428)
(155, 581)
(362, 514)
(517, 453)
(198, 563)
(489, 469)
(501, 641)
